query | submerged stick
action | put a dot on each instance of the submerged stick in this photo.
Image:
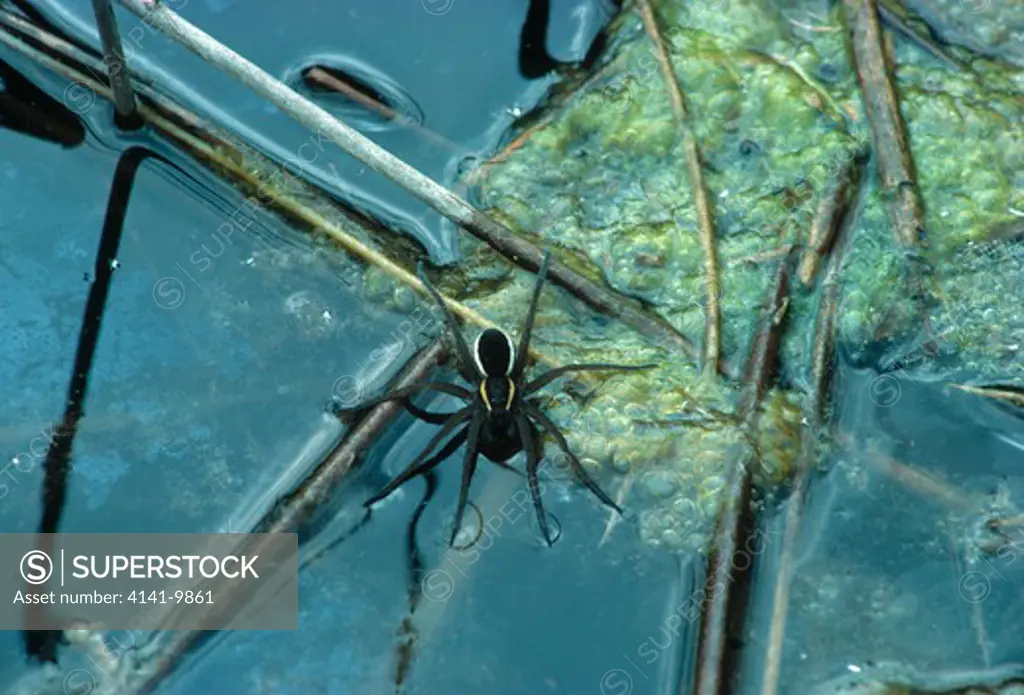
(721, 586)
(815, 407)
(701, 201)
(913, 478)
(326, 127)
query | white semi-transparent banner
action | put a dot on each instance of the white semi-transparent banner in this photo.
(125, 581)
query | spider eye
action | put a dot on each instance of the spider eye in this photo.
(494, 353)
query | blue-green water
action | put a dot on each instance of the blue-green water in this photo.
(218, 352)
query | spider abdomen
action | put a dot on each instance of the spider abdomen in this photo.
(499, 439)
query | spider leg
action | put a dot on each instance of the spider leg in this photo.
(574, 463)
(465, 360)
(524, 339)
(419, 465)
(427, 415)
(532, 460)
(468, 468)
(549, 376)
(404, 393)
(424, 468)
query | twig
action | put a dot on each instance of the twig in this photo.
(496, 235)
(296, 510)
(758, 373)
(996, 392)
(795, 68)
(120, 82)
(831, 209)
(721, 585)
(713, 311)
(764, 256)
(551, 108)
(824, 342)
(891, 17)
(895, 166)
(780, 598)
(507, 151)
(322, 481)
(919, 481)
(325, 80)
(909, 476)
(810, 27)
(816, 405)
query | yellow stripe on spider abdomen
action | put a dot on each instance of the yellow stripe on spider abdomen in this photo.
(487, 399)
(483, 394)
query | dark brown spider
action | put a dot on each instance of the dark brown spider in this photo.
(499, 419)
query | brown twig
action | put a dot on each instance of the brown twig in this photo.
(831, 210)
(325, 80)
(823, 94)
(758, 374)
(701, 200)
(551, 109)
(722, 587)
(892, 17)
(996, 392)
(824, 337)
(294, 511)
(507, 150)
(895, 165)
(815, 407)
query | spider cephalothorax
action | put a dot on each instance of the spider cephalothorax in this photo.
(499, 419)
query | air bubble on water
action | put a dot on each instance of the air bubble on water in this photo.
(471, 529)
(554, 528)
(297, 302)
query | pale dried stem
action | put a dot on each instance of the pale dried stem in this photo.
(701, 200)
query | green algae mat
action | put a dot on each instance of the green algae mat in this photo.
(775, 106)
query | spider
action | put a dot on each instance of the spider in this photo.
(499, 419)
